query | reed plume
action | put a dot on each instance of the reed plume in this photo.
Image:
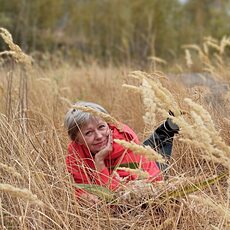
(15, 50)
(140, 173)
(145, 151)
(21, 193)
(188, 58)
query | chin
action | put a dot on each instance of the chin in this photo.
(96, 150)
(99, 149)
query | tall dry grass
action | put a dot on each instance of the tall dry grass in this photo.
(38, 193)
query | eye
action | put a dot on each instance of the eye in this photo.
(88, 133)
(102, 126)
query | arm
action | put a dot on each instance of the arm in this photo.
(79, 173)
(84, 174)
(102, 174)
(80, 176)
(147, 165)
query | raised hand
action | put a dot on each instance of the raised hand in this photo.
(102, 154)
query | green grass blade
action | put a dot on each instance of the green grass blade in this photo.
(188, 189)
(131, 165)
(100, 191)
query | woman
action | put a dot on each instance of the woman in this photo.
(93, 155)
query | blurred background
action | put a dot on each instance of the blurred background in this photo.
(117, 31)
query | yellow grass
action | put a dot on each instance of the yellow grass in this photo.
(33, 144)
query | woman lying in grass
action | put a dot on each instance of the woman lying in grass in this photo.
(93, 156)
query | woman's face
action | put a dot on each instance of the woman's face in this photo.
(94, 134)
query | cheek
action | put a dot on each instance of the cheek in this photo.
(84, 140)
(107, 131)
(89, 140)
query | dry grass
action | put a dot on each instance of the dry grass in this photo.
(33, 144)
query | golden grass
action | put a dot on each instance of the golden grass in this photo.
(146, 151)
(22, 193)
(37, 153)
(15, 51)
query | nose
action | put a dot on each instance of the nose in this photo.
(98, 134)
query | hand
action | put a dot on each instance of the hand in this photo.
(102, 154)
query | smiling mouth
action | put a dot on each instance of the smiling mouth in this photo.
(101, 143)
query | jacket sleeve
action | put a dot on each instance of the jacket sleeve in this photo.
(153, 170)
(82, 175)
(79, 174)
(76, 168)
(151, 167)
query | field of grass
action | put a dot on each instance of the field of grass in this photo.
(38, 193)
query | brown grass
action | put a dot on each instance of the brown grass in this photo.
(33, 144)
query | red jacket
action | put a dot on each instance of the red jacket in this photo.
(80, 162)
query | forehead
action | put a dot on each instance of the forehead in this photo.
(91, 122)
